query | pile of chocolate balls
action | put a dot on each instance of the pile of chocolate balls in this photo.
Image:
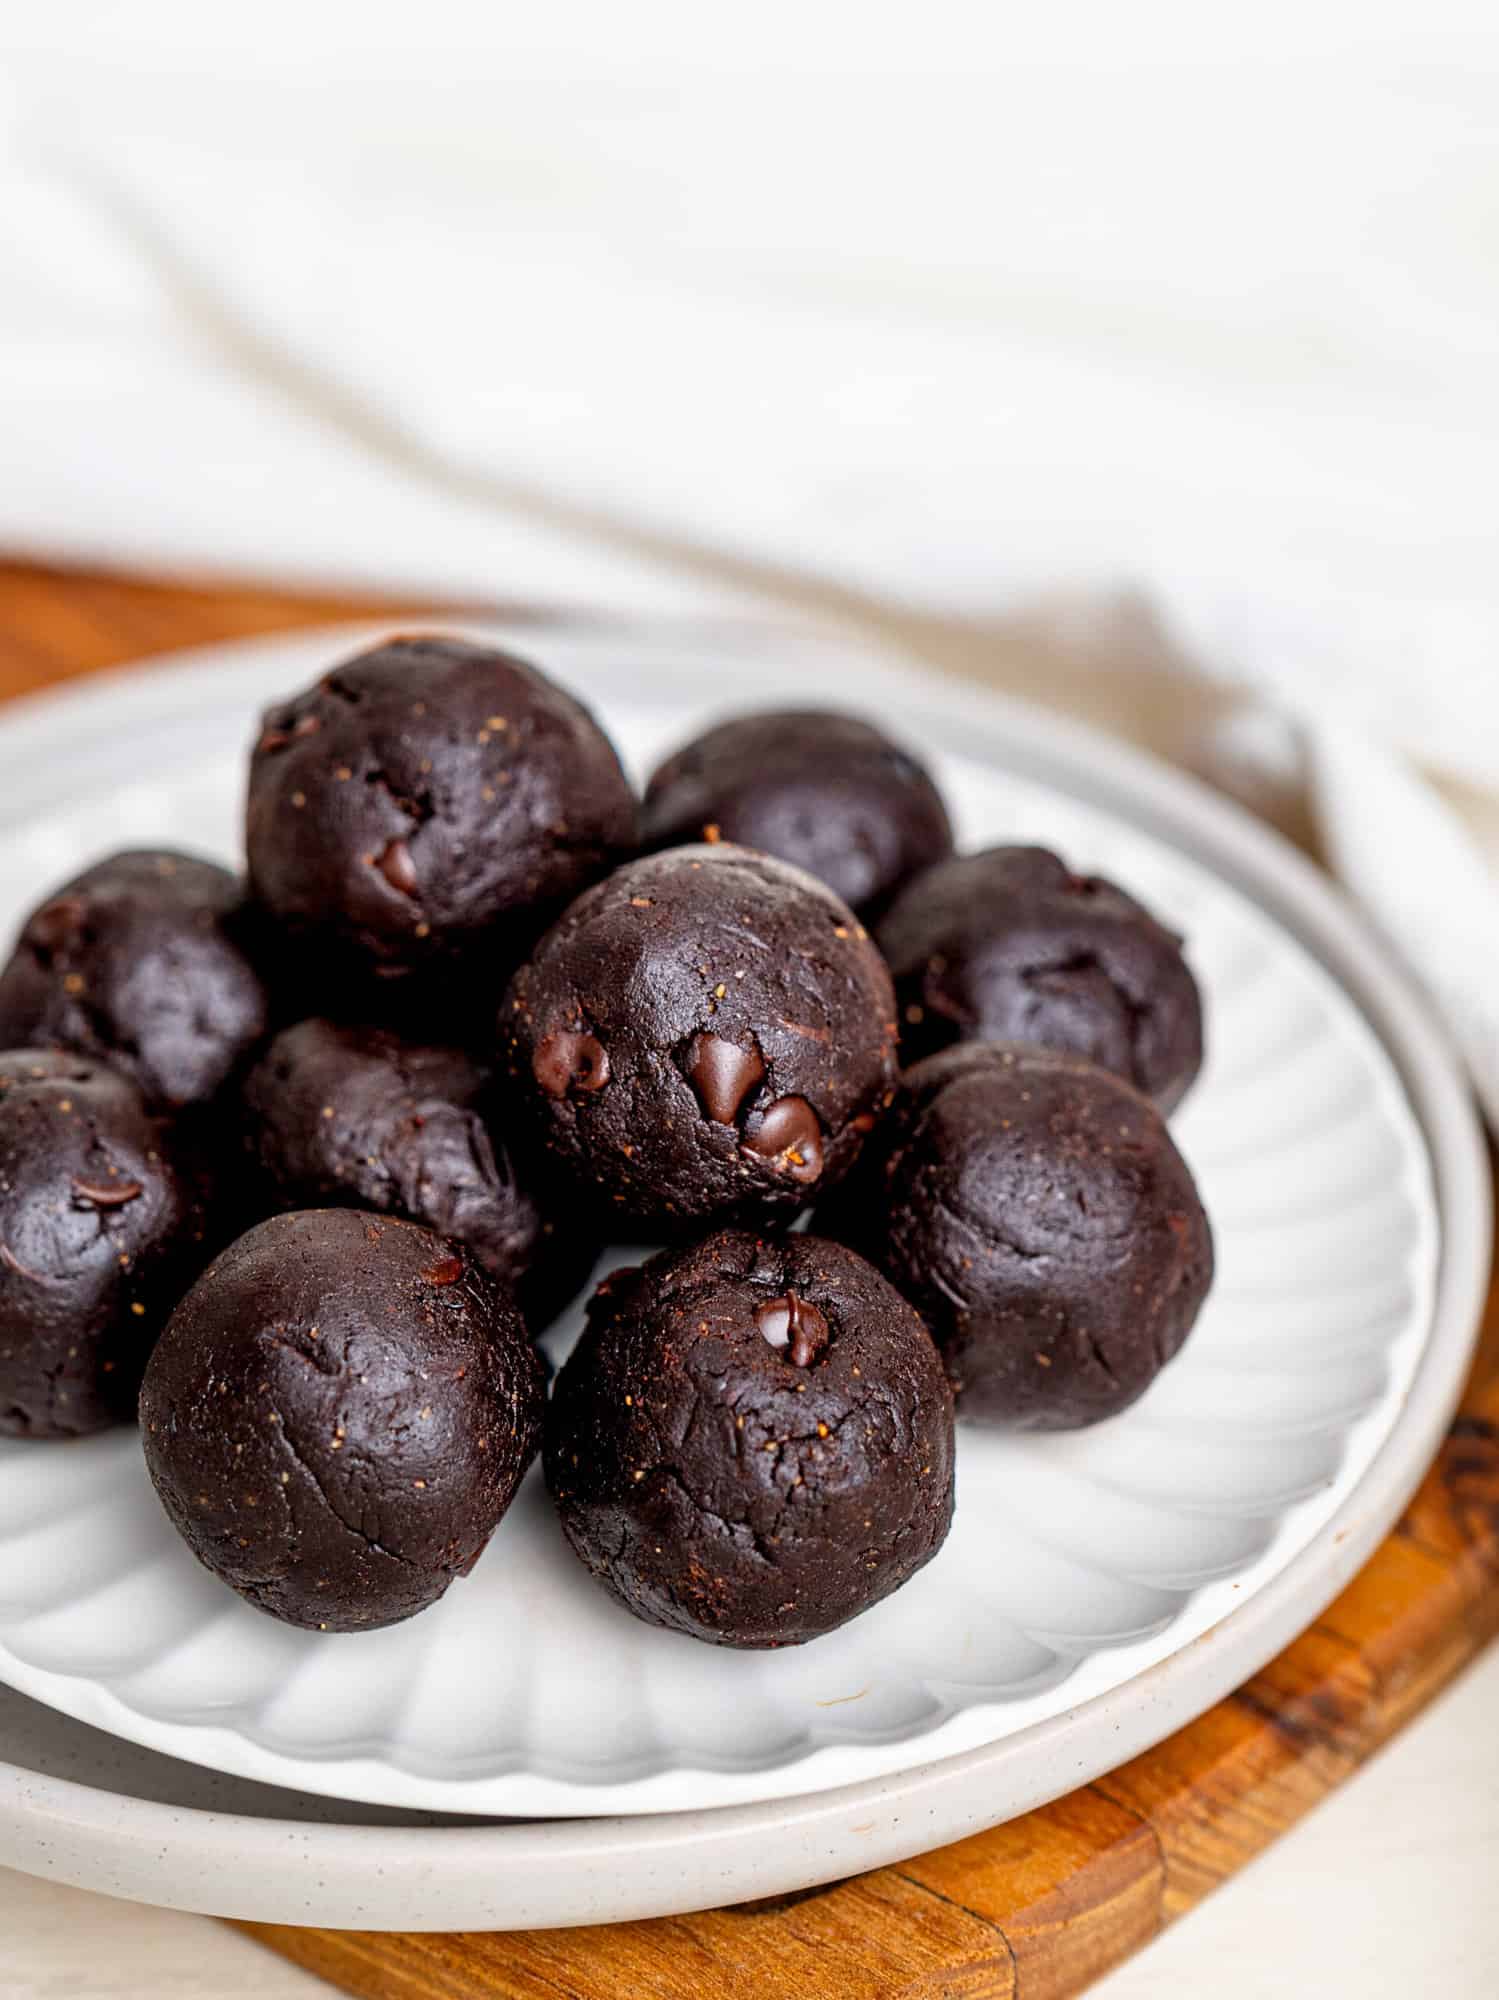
(297, 1167)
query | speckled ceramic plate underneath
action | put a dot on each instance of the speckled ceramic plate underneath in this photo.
(1086, 1576)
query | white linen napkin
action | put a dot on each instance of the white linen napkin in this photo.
(1403, 854)
(1423, 880)
(925, 320)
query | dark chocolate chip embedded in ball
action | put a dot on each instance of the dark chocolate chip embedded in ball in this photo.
(708, 1034)
(565, 1062)
(339, 1414)
(752, 1442)
(794, 1323)
(825, 791)
(723, 1075)
(788, 1134)
(142, 962)
(1011, 945)
(394, 862)
(1035, 1210)
(361, 1117)
(431, 802)
(101, 1229)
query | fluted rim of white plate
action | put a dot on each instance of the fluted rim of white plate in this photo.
(941, 1799)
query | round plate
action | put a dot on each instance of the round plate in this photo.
(1290, 1443)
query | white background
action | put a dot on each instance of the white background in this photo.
(937, 307)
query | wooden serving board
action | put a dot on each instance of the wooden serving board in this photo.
(1038, 1908)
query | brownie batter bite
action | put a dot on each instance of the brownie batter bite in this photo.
(1036, 1212)
(358, 1117)
(141, 963)
(100, 1231)
(429, 798)
(753, 1441)
(828, 792)
(708, 1034)
(1010, 945)
(338, 1415)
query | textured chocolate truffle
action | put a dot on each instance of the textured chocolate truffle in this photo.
(141, 963)
(753, 1441)
(101, 1228)
(360, 1118)
(827, 792)
(1010, 945)
(1036, 1212)
(431, 800)
(707, 1034)
(338, 1415)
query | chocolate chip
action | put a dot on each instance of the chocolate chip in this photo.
(56, 923)
(446, 1271)
(789, 1136)
(394, 862)
(106, 1194)
(277, 737)
(569, 1061)
(723, 1076)
(12, 1262)
(795, 1324)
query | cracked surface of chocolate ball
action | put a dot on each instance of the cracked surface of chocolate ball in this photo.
(101, 1229)
(359, 1117)
(431, 801)
(1035, 1210)
(1010, 945)
(825, 791)
(753, 1441)
(141, 963)
(708, 1034)
(338, 1415)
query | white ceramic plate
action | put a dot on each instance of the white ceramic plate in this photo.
(1082, 1569)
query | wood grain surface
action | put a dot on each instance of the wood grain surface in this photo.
(1038, 1908)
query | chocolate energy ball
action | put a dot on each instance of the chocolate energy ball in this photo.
(753, 1441)
(101, 1229)
(1010, 945)
(1034, 1210)
(428, 801)
(707, 1034)
(360, 1118)
(827, 792)
(338, 1415)
(141, 962)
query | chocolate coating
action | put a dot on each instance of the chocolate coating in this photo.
(707, 1034)
(753, 1440)
(100, 1230)
(357, 1117)
(141, 963)
(338, 1415)
(1010, 945)
(431, 800)
(1035, 1211)
(827, 792)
